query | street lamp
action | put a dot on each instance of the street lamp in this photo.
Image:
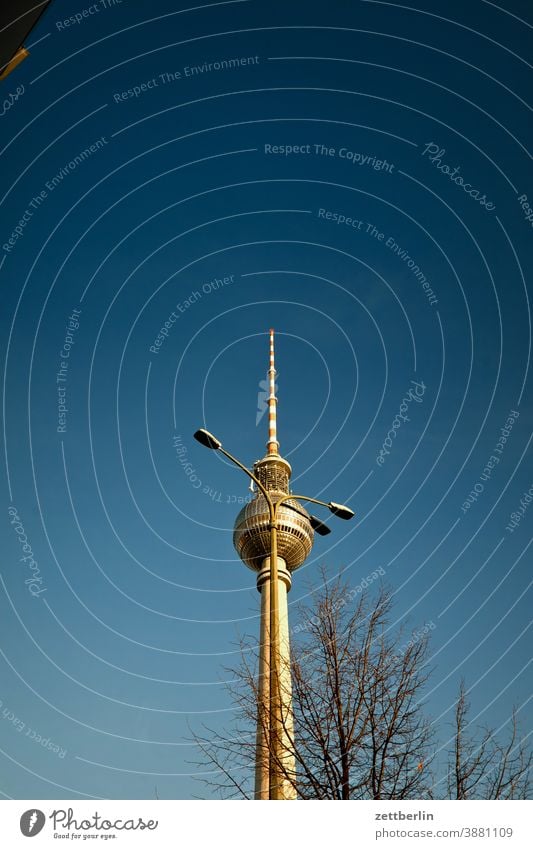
(340, 510)
(205, 438)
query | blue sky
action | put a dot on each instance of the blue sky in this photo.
(312, 186)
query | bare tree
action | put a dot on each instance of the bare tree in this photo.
(358, 730)
(358, 715)
(482, 767)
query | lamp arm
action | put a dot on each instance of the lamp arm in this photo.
(256, 480)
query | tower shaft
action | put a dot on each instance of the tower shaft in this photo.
(273, 535)
(285, 731)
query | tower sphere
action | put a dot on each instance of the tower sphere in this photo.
(251, 536)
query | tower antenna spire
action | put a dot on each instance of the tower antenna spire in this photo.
(272, 444)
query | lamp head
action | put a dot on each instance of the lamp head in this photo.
(341, 510)
(319, 527)
(207, 439)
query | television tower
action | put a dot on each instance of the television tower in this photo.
(252, 540)
(273, 535)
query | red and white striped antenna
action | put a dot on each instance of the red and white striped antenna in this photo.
(272, 444)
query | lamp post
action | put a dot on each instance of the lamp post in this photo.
(284, 515)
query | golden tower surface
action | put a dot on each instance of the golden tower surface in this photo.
(273, 535)
(252, 539)
(251, 536)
